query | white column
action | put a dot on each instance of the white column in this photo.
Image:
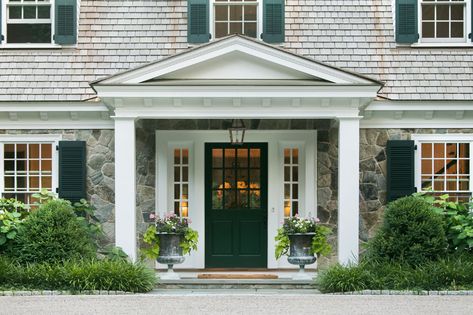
(348, 190)
(125, 186)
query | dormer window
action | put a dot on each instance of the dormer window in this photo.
(213, 19)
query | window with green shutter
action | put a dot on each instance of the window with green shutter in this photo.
(400, 168)
(38, 22)
(262, 19)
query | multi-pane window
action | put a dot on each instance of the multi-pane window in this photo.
(181, 182)
(445, 168)
(443, 20)
(29, 21)
(235, 17)
(291, 181)
(27, 169)
(236, 178)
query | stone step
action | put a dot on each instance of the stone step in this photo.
(228, 284)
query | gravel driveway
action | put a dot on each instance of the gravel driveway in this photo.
(236, 304)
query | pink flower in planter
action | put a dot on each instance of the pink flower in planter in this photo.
(317, 220)
(152, 216)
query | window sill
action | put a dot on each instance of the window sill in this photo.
(34, 46)
(430, 45)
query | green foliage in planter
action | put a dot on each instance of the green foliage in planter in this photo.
(169, 224)
(77, 275)
(411, 233)
(458, 218)
(450, 273)
(52, 233)
(296, 224)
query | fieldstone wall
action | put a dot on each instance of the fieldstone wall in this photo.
(100, 170)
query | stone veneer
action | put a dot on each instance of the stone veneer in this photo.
(100, 170)
(100, 173)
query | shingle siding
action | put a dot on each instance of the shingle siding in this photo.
(354, 35)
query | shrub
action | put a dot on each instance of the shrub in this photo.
(52, 233)
(458, 219)
(79, 275)
(12, 213)
(411, 232)
(450, 273)
(345, 279)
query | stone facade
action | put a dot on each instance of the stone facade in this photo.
(100, 170)
(101, 167)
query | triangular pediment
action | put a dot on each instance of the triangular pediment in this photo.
(236, 59)
(237, 65)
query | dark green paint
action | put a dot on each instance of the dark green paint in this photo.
(236, 237)
(400, 168)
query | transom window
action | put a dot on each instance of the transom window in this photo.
(236, 17)
(445, 168)
(29, 21)
(27, 169)
(443, 20)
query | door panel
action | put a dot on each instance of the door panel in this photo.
(236, 205)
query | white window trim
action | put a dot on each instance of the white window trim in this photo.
(442, 42)
(301, 182)
(39, 138)
(259, 17)
(51, 45)
(169, 206)
(422, 138)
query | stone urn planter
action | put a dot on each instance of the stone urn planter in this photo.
(299, 253)
(170, 252)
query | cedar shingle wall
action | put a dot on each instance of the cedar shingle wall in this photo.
(115, 35)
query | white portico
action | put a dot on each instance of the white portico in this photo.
(237, 77)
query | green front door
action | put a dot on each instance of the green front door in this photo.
(236, 205)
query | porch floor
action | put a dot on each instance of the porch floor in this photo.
(241, 279)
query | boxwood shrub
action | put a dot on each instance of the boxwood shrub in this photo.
(52, 233)
(411, 233)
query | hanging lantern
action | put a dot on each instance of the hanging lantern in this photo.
(237, 131)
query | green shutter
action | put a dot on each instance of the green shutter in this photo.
(273, 21)
(406, 21)
(72, 170)
(66, 22)
(400, 167)
(198, 21)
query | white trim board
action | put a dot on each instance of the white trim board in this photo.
(305, 140)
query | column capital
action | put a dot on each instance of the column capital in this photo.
(349, 118)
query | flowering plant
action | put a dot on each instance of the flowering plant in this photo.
(296, 224)
(171, 223)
